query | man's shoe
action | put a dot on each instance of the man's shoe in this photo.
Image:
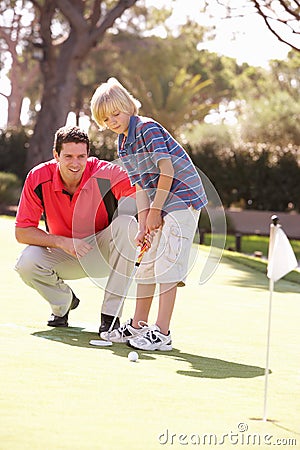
(75, 302)
(57, 321)
(124, 332)
(106, 322)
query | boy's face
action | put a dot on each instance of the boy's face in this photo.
(118, 122)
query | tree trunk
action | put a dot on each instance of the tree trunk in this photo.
(20, 79)
(60, 66)
(55, 106)
(15, 99)
(14, 107)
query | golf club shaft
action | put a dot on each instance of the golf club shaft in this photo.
(144, 248)
(122, 300)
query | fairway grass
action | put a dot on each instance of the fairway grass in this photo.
(60, 393)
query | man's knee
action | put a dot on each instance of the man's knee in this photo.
(27, 261)
(126, 226)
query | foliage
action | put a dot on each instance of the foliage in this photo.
(250, 175)
(178, 100)
(64, 33)
(286, 74)
(17, 27)
(211, 151)
(272, 119)
(13, 151)
(10, 186)
(176, 84)
(222, 70)
(162, 80)
(270, 110)
(103, 145)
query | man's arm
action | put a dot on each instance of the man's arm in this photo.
(39, 237)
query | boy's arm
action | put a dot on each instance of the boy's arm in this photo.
(154, 218)
(143, 206)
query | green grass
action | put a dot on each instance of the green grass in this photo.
(258, 264)
(58, 392)
(251, 244)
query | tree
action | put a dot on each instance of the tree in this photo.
(15, 30)
(273, 119)
(281, 17)
(286, 74)
(66, 33)
(269, 103)
(162, 80)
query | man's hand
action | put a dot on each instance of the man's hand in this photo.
(37, 236)
(75, 247)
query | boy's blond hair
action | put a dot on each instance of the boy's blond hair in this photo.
(109, 97)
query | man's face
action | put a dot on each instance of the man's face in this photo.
(72, 162)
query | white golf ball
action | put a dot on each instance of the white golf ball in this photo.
(133, 356)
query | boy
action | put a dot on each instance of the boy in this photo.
(169, 196)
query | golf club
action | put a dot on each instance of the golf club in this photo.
(108, 343)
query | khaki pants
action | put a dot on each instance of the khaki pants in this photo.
(113, 255)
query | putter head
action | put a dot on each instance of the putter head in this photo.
(100, 343)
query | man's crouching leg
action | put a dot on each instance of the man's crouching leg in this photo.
(121, 257)
(36, 267)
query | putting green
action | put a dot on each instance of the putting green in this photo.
(58, 392)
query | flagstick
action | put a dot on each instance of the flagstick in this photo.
(271, 288)
(281, 260)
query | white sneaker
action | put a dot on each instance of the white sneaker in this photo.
(124, 332)
(152, 339)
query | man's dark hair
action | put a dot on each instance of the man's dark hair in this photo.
(70, 134)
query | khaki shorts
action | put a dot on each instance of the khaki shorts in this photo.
(167, 259)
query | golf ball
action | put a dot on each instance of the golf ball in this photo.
(133, 356)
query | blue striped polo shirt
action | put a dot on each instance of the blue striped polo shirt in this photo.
(147, 143)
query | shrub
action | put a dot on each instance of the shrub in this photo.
(13, 150)
(10, 187)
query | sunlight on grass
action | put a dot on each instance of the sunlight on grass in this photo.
(251, 244)
(59, 392)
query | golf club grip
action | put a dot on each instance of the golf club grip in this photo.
(144, 248)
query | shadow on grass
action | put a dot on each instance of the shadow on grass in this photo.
(200, 366)
(253, 278)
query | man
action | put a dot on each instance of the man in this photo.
(78, 196)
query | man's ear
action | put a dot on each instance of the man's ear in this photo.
(55, 155)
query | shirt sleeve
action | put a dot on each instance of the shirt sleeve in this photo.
(30, 206)
(155, 142)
